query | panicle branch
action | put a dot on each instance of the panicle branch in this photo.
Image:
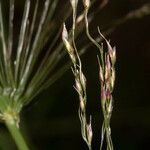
(80, 80)
(107, 78)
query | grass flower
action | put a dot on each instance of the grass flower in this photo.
(80, 80)
(107, 78)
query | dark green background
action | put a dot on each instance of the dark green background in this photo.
(51, 121)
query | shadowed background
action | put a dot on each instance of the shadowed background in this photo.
(51, 121)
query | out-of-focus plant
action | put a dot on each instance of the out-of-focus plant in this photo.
(19, 81)
(107, 78)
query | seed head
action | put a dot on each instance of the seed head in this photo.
(107, 68)
(74, 3)
(82, 104)
(78, 85)
(112, 79)
(69, 48)
(86, 4)
(101, 74)
(110, 106)
(89, 132)
(83, 80)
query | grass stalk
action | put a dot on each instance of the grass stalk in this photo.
(107, 77)
(80, 80)
(12, 125)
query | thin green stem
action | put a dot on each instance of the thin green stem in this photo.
(102, 136)
(108, 133)
(90, 147)
(106, 130)
(91, 38)
(16, 134)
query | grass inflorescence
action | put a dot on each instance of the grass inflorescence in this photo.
(106, 61)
